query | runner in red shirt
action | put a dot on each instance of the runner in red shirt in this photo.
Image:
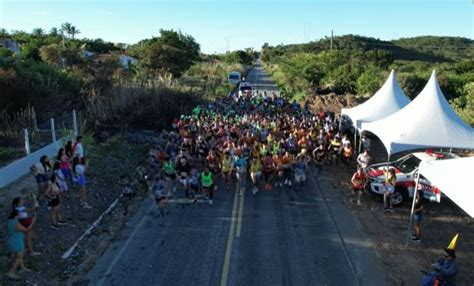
(358, 181)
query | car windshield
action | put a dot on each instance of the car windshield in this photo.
(234, 77)
(408, 164)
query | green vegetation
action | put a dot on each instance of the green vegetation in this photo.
(55, 72)
(359, 65)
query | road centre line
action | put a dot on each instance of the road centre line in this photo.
(230, 240)
(241, 210)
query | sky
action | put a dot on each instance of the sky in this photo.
(221, 25)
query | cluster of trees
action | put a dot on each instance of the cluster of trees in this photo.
(359, 65)
(54, 71)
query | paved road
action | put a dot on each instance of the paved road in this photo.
(297, 236)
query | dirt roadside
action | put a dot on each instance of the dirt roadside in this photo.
(108, 161)
(389, 230)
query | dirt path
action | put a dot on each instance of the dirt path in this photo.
(389, 231)
(107, 162)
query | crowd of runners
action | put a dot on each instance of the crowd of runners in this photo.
(260, 136)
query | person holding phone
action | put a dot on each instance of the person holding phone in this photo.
(16, 243)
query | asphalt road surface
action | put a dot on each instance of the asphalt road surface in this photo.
(286, 236)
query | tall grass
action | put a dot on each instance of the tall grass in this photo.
(143, 107)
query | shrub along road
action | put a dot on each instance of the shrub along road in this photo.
(286, 236)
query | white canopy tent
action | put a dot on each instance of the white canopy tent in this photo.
(452, 177)
(428, 121)
(387, 100)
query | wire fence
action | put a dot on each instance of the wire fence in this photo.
(21, 134)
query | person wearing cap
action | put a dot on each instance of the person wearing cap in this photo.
(445, 269)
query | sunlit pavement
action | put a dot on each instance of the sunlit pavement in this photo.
(286, 236)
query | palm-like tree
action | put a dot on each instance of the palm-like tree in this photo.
(3, 33)
(65, 28)
(54, 31)
(74, 31)
(38, 32)
(70, 30)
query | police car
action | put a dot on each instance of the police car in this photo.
(405, 170)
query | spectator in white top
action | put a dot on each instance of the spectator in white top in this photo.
(345, 141)
(79, 178)
(79, 150)
(363, 160)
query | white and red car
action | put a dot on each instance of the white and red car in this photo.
(405, 169)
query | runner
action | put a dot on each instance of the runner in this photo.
(207, 183)
(255, 172)
(359, 181)
(159, 191)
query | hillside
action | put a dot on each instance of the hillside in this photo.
(426, 48)
(358, 65)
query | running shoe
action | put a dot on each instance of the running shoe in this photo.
(56, 227)
(416, 239)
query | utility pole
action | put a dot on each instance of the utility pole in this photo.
(332, 36)
(227, 41)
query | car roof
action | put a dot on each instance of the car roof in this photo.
(427, 156)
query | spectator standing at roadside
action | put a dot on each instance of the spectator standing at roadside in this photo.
(417, 217)
(25, 220)
(16, 243)
(390, 181)
(68, 149)
(65, 164)
(52, 193)
(60, 179)
(79, 150)
(358, 181)
(79, 170)
(363, 160)
(41, 171)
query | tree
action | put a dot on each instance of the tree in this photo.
(66, 27)
(5, 53)
(30, 50)
(3, 33)
(172, 52)
(50, 54)
(73, 32)
(69, 29)
(369, 81)
(54, 32)
(38, 32)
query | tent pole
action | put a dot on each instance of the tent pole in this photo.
(412, 207)
(360, 142)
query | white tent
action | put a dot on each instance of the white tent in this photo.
(453, 178)
(428, 121)
(387, 100)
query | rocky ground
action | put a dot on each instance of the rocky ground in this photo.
(108, 161)
(332, 102)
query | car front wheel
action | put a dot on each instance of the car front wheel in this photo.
(399, 196)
